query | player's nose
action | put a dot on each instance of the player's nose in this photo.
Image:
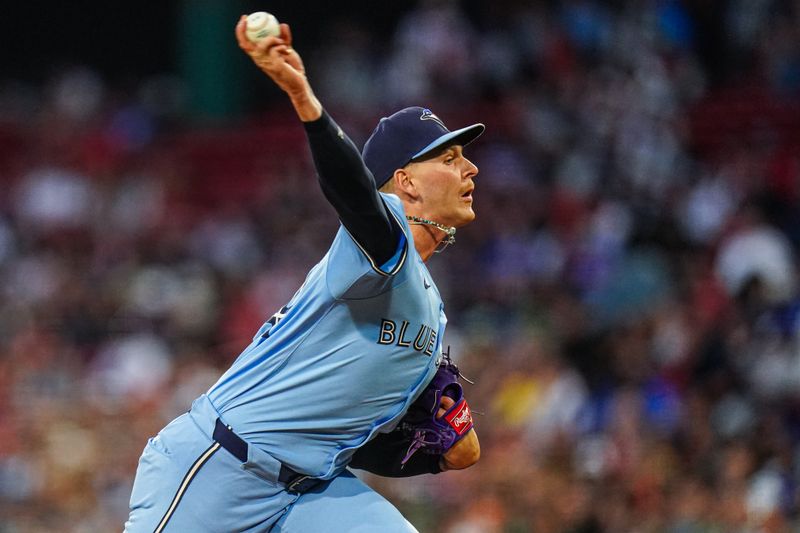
(470, 169)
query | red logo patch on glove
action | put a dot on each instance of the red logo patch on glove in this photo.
(460, 417)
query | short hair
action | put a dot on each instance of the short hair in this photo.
(388, 187)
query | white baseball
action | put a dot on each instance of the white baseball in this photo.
(261, 25)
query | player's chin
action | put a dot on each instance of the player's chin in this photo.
(466, 215)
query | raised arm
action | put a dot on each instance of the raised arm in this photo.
(345, 180)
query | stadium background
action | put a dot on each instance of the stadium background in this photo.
(627, 301)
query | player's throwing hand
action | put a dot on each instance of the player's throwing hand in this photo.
(276, 58)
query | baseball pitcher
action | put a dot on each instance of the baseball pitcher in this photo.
(351, 371)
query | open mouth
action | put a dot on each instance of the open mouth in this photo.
(467, 195)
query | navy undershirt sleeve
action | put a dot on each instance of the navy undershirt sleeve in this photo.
(382, 456)
(350, 188)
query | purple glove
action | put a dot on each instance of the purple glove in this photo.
(437, 435)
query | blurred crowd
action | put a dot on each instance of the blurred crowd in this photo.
(627, 301)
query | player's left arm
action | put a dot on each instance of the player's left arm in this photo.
(384, 454)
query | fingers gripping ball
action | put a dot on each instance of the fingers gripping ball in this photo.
(261, 25)
(432, 434)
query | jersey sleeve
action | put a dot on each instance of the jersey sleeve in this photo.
(382, 456)
(353, 273)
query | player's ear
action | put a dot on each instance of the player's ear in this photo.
(404, 183)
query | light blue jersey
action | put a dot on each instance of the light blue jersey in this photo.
(341, 361)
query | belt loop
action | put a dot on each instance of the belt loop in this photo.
(230, 440)
(295, 482)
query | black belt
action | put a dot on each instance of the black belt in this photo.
(295, 482)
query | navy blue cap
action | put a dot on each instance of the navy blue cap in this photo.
(407, 135)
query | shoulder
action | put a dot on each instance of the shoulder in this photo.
(351, 271)
(396, 208)
(392, 202)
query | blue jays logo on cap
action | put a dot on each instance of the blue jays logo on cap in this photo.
(427, 114)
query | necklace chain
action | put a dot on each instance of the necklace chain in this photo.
(448, 230)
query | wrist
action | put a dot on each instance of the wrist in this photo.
(306, 105)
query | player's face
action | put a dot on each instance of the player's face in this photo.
(445, 185)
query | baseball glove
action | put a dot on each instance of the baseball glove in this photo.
(429, 433)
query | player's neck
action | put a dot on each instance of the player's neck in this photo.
(426, 240)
